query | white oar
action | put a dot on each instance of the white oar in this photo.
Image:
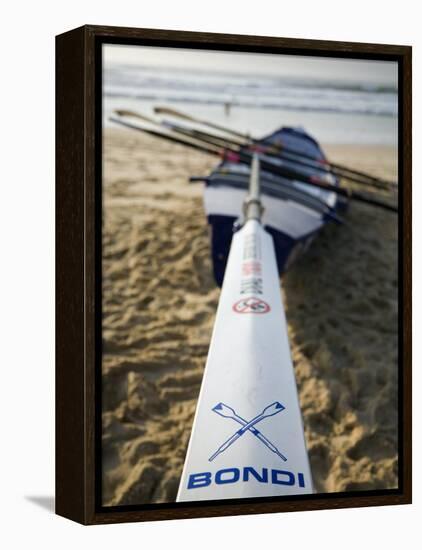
(248, 378)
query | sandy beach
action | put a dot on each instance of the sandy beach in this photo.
(159, 303)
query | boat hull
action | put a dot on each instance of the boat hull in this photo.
(294, 212)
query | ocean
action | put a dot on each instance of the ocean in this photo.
(332, 110)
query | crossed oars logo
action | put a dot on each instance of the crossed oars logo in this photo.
(228, 412)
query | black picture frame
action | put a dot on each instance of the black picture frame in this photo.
(78, 272)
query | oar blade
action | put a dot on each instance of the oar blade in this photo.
(249, 370)
(273, 409)
(224, 410)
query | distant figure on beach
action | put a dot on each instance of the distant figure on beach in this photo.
(227, 107)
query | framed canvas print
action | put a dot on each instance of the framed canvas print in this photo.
(233, 274)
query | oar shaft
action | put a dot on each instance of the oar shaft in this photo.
(231, 413)
(236, 436)
(337, 169)
(194, 144)
(260, 436)
(225, 446)
(204, 136)
(354, 195)
(179, 114)
(253, 207)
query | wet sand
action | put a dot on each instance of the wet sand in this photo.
(159, 302)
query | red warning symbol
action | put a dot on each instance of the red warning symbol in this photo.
(251, 305)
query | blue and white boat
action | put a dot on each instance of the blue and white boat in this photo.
(294, 211)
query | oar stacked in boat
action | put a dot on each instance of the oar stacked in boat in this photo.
(247, 438)
(244, 155)
(279, 149)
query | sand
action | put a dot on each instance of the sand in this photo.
(158, 311)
